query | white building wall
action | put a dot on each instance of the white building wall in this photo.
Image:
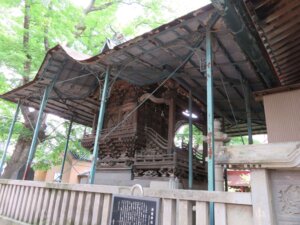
(282, 112)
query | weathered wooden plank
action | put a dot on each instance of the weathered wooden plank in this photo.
(72, 208)
(87, 210)
(64, 208)
(24, 202)
(106, 209)
(29, 206)
(2, 186)
(97, 209)
(57, 207)
(202, 217)
(14, 201)
(2, 202)
(34, 204)
(51, 207)
(168, 215)
(8, 199)
(185, 212)
(19, 203)
(79, 208)
(220, 214)
(12, 197)
(37, 212)
(43, 217)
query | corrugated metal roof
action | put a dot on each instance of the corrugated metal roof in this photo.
(148, 59)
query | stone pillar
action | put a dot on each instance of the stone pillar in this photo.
(220, 139)
(275, 179)
(261, 197)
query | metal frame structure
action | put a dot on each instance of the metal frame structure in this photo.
(32, 149)
(11, 129)
(99, 126)
(65, 151)
(210, 111)
(190, 140)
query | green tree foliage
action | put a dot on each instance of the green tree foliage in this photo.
(182, 136)
(238, 140)
(49, 153)
(52, 22)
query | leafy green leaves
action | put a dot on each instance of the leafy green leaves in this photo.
(182, 136)
(57, 22)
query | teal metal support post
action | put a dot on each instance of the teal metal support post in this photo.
(190, 142)
(65, 152)
(210, 122)
(9, 136)
(37, 127)
(248, 113)
(99, 126)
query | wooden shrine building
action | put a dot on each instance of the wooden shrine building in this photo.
(151, 79)
(236, 61)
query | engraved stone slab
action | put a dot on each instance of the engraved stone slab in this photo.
(131, 210)
(286, 196)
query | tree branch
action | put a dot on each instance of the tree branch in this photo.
(46, 27)
(93, 8)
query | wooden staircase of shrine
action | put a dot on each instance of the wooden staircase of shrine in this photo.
(146, 151)
(155, 161)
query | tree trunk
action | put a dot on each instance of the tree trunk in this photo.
(18, 158)
(21, 151)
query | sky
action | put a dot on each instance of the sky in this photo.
(127, 13)
(180, 7)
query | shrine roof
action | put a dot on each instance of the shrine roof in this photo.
(148, 59)
(277, 23)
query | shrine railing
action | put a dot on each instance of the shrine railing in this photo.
(108, 132)
(53, 203)
(163, 143)
(167, 164)
(121, 132)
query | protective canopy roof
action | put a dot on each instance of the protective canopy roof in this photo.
(175, 48)
(278, 25)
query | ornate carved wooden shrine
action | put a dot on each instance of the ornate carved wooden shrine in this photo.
(141, 136)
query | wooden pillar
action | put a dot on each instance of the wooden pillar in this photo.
(95, 121)
(171, 124)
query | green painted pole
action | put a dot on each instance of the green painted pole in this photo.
(65, 152)
(99, 127)
(9, 136)
(248, 113)
(210, 122)
(190, 142)
(37, 127)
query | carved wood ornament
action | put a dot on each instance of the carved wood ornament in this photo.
(132, 134)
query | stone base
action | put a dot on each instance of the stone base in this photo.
(8, 221)
(123, 177)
